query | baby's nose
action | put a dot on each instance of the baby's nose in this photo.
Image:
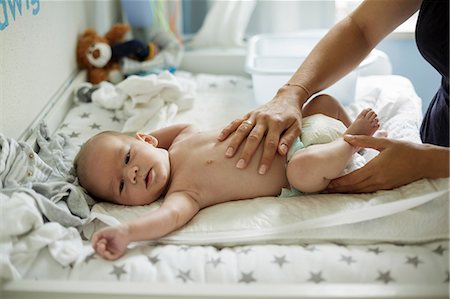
(132, 173)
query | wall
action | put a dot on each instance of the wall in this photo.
(407, 61)
(290, 16)
(37, 53)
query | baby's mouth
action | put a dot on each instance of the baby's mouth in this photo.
(149, 177)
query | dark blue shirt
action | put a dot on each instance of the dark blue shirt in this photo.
(432, 38)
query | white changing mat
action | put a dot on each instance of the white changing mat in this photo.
(417, 212)
(414, 213)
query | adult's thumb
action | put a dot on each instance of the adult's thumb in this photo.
(365, 141)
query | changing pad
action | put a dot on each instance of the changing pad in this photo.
(417, 212)
(414, 213)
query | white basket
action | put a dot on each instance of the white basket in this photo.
(273, 58)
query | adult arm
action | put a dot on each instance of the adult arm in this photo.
(337, 53)
(397, 164)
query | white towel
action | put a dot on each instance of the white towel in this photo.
(147, 103)
(23, 234)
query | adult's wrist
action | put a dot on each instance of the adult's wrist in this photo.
(436, 161)
(297, 93)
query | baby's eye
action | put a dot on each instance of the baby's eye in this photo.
(127, 158)
(121, 185)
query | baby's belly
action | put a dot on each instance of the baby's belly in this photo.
(220, 180)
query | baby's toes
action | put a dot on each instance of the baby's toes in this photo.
(364, 113)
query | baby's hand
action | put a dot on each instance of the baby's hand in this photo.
(111, 242)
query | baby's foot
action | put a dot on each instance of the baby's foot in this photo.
(366, 123)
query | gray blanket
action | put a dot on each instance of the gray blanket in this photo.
(45, 174)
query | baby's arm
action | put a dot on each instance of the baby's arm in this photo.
(178, 208)
(167, 135)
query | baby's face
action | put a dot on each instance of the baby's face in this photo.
(127, 170)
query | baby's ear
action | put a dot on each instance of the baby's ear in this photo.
(147, 138)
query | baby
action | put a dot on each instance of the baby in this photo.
(189, 169)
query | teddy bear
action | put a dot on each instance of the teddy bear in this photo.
(100, 55)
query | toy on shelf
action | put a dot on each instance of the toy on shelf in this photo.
(111, 57)
(101, 55)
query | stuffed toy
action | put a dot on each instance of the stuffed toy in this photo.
(100, 55)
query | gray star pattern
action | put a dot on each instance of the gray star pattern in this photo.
(184, 248)
(89, 257)
(316, 277)
(115, 119)
(153, 259)
(247, 277)
(280, 260)
(347, 259)
(413, 261)
(64, 125)
(447, 278)
(185, 276)
(375, 250)
(439, 250)
(95, 126)
(118, 271)
(385, 277)
(74, 135)
(85, 115)
(214, 261)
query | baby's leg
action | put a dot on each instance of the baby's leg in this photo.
(312, 169)
(328, 106)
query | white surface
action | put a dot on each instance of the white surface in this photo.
(321, 216)
(97, 290)
(184, 271)
(228, 61)
(273, 58)
(224, 25)
(232, 94)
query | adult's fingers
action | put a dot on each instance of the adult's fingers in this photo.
(230, 128)
(269, 150)
(288, 138)
(251, 144)
(366, 141)
(274, 144)
(361, 187)
(348, 182)
(245, 130)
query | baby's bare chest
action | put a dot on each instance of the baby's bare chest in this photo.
(200, 166)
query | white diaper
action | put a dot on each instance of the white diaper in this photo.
(319, 128)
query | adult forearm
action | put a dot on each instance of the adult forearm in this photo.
(339, 52)
(435, 161)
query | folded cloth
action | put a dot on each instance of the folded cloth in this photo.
(147, 103)
(46, 175)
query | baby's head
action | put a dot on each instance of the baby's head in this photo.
(122, 169)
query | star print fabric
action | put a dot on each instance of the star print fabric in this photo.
(316, 264)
